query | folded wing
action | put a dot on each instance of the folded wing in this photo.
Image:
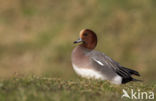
(106, 62)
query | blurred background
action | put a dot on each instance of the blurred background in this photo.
(36, 36)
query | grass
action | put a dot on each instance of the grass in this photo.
(35, 88)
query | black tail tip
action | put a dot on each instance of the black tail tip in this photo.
(137, 73)
(126, 80)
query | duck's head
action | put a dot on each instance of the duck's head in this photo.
(87, 38)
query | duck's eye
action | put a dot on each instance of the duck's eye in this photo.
(85, 34)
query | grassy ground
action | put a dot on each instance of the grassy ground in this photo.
(52, 89)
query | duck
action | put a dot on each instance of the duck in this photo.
(91, 64)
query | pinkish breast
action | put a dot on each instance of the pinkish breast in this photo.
(79, 57)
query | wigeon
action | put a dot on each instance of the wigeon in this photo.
(89, 63)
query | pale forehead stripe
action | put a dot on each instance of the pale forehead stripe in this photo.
(81, 32)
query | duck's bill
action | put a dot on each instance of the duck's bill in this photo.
(78, 41)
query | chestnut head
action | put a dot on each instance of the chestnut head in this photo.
(87, 38)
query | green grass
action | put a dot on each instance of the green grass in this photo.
(53, 89)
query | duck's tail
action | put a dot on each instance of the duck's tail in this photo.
(132, 72)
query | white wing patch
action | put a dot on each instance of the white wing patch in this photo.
(99, 62)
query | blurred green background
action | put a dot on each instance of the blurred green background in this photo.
(36, 35)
